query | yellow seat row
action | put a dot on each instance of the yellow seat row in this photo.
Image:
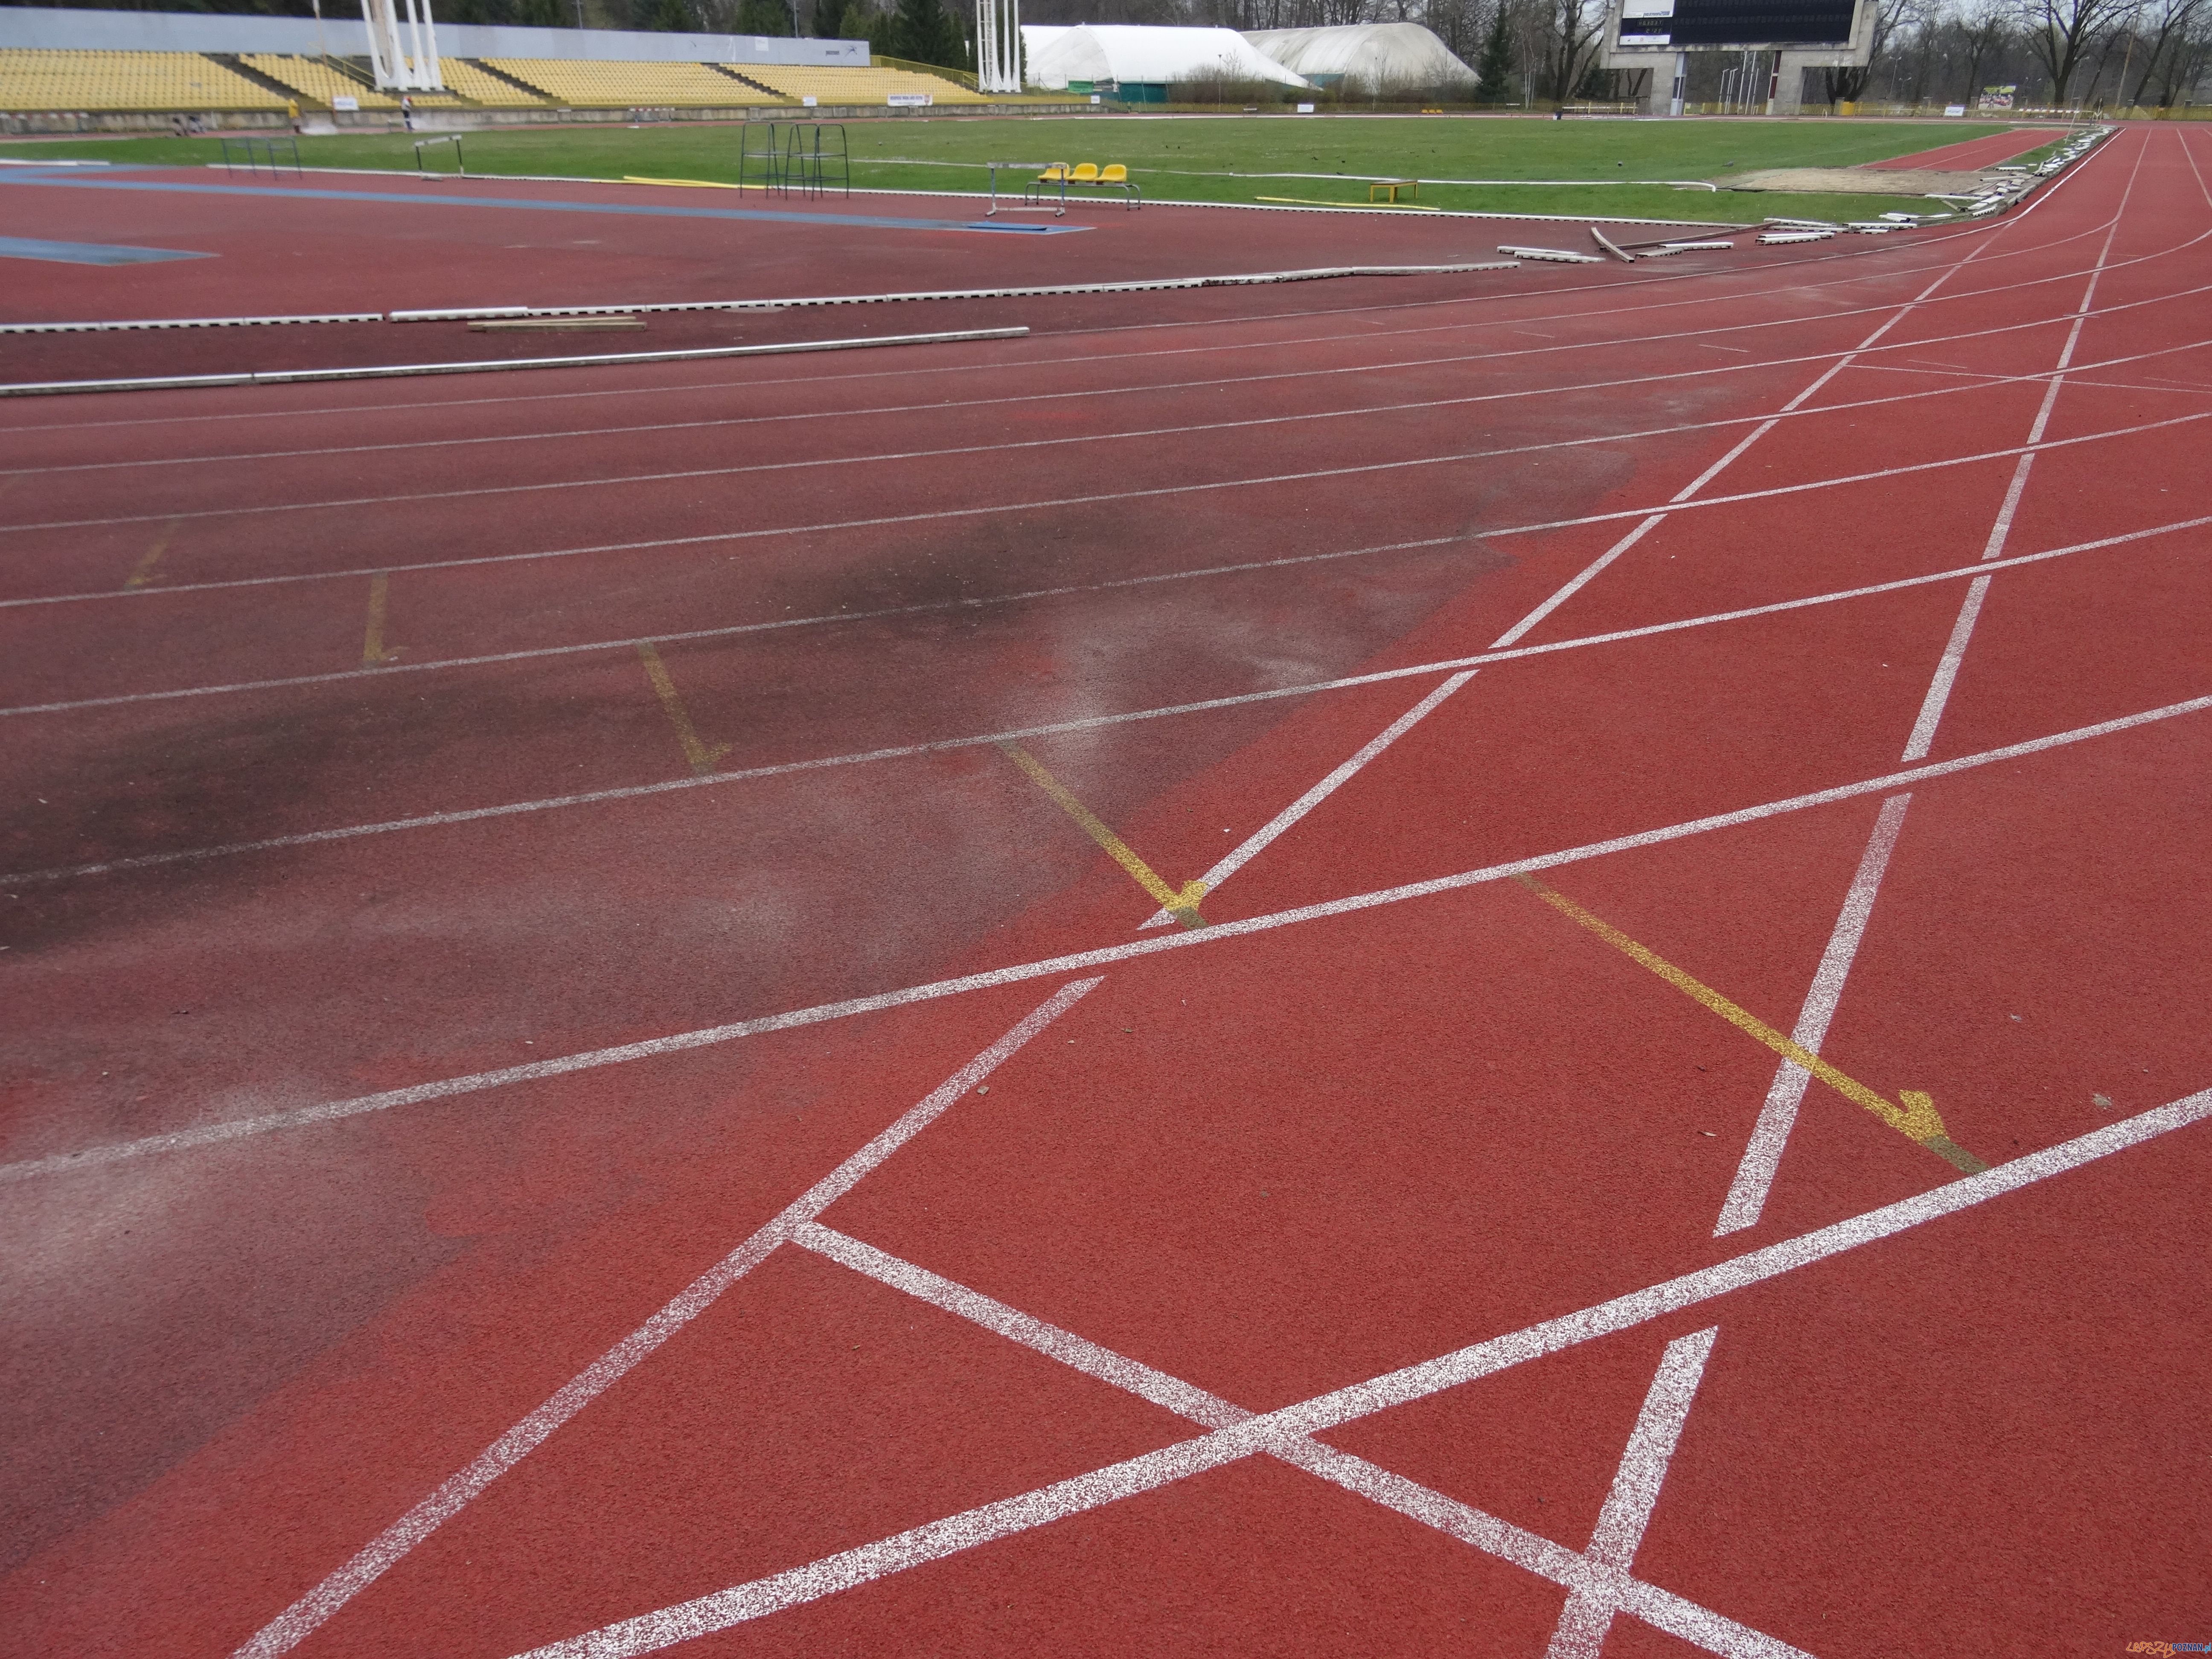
(604, 85)
(145, 81)
(316, 81)
(479, 86)
(854, 86)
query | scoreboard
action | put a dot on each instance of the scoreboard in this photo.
(1734, 24)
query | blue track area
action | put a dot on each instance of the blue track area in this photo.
(89, 253)
(764, 215)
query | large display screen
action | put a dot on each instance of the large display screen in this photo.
(1710, 23)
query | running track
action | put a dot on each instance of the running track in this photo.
(427, 1238)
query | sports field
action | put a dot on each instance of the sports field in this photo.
(1503, 961)
(1623, 169)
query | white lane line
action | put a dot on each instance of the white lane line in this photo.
(1662, 1609)
(1266, 1433)
(1619, 1533)
(1761, 1162)
(680, 475)
(1381, 366)
(1739, 290)
(1954, 650)
(836, 525)
(433, 820)
(1600, 1576)
(1254, 844)
(1171, 1392)
(447, 1088)
(1267, 833)
(1762, 1156)
(296, 1622)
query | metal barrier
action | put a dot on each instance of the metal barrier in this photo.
(254, 153)
(804, 158)
(460, 164)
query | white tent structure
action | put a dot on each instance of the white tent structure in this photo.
(1366, 57)
(1128, 53)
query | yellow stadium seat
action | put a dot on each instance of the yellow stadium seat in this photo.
(1086, 173)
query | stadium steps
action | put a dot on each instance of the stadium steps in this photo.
(239, 66)
(724, 69)
(509, 78)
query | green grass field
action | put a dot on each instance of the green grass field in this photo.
(1610, 169)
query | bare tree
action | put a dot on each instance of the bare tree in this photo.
(1845, 86)
(2171, 23)
(1571, 32)
(2063, 32)
(1982, 36)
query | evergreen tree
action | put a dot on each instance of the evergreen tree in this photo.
(672, 15)
(923, 32)
(763, 17)
(1495, 71)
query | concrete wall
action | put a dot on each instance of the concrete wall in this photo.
(52, 28)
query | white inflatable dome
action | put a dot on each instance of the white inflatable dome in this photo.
(1367, 57)
(1053, 56)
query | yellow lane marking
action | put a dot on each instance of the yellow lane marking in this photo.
(142, 572)
(1182, 906)
(1915, 1118)
(372, 650)
(701, 758)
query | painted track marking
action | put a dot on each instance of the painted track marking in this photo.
(1599, 1574)
(1916, 1119)
(1272, 1430)
(699, 755)
(332, 1111)
(1182, 905)
(142, 573)
(373, 650)
(1761, 1161)
(940, 746)
(300, 1619)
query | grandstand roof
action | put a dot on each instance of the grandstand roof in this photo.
(1055, 56)
(1369, 57)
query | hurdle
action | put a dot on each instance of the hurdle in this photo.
(461, 166)
(1032, 197)
(253, 153)
(808, 158)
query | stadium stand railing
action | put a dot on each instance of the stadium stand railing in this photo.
(150, 82)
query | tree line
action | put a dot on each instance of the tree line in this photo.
(2056, 53)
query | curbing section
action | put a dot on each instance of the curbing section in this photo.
(190, 322)
(1256, 279)
(393, 371)
(486, 313)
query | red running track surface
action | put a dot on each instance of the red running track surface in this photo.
(1974, 152)
(424, 794)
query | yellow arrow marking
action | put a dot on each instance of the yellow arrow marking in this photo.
(373, 651)
(142, 572)
(1182, 906)
(1916, 1119)
(701, 758)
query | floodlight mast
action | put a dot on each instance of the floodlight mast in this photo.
(998, 45)
(396, 68)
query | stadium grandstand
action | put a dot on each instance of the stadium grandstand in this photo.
(485, 89)
(315, 83)
(858, 86)
(150, 82)
(586, 84)
(164, 82)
